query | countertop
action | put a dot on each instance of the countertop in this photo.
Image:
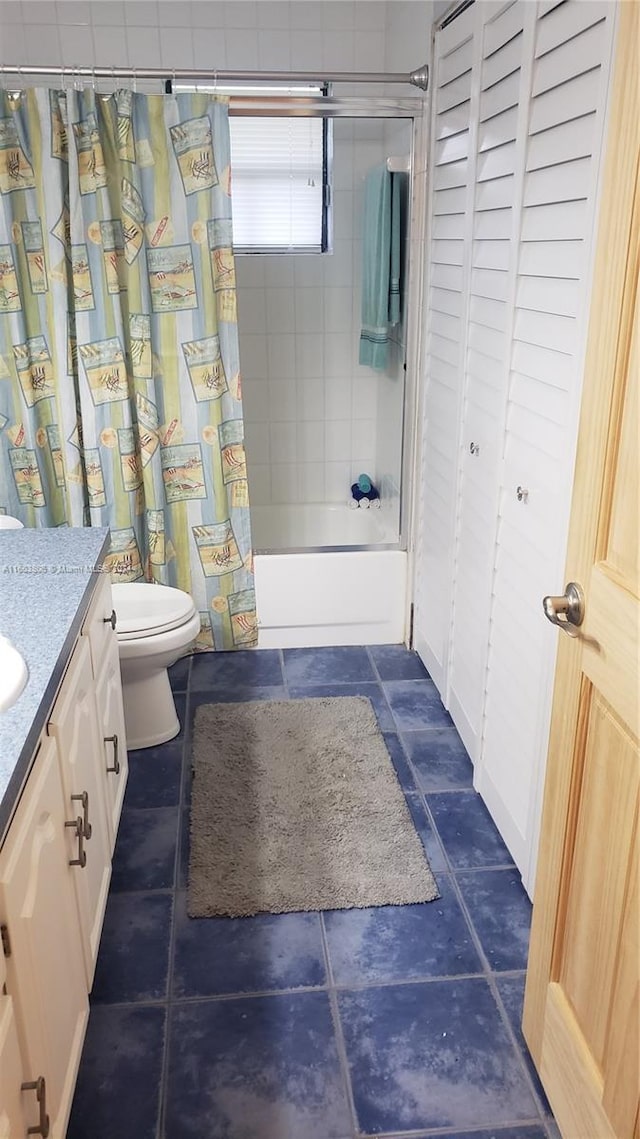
(47, 580)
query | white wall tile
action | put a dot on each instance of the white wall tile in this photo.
(176, 47)
(283, 440)
(143, 45)
(39, 12)
(338, 303)
(371, 15)
(337, 482)
(241, 14)
(273, 14)
(281, 356)
(278, 271)
(338, 355)
(252, 311)
(308, 270)
(175, 13)
(259, 483)
(337, 398)
(280, 310)
(369, 51)
(210, 52)
(311, 399)
(338, 440)
(306, 46)
(73, 12)
(338, 50)
(342, 215)
(11, 12)
(256, 442)
(249, 269)
(12, 44)
(312, 482)
(253, 354)
(273, 49)
(338, 14)
(311, 441)
(310, 355)
(141, 13)
(284, 482)
(242, 47)
(208, 13)
(364, 395)
(283, 400)
(107, 13)
(109, 44)
(338, 266)
(363, 438)
(309, 309)
(255, 400)
(43, 44)
(305, 14)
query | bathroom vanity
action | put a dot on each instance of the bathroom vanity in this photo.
(63, 770)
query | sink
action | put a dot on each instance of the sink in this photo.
(13, 674)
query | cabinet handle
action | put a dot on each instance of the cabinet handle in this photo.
(111, 620)
(84, 799)
(81, 860)
(116, 762)
(40, 1088)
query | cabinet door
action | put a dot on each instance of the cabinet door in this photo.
(74, 726)
(112, 735)
(13, 1120)
(45, 971)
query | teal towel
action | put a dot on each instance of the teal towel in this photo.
(380, 266)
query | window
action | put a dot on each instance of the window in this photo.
(280, 176)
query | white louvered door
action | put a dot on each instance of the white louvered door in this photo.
(519, 105)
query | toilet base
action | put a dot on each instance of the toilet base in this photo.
(149, 709)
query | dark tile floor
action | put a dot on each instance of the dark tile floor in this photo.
(395, 1021)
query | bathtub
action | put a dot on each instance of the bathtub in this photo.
(327, 595)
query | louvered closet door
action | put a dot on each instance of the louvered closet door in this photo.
(561, 160)
(447, 253)
(500, 129)
(518, 116)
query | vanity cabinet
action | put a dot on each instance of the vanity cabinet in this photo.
(55, 868)
(105, 664)
(46, 977)
(13, 1121)
(74, 726)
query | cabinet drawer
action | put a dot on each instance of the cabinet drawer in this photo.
(97, 626)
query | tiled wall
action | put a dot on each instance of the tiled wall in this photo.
(311, 411)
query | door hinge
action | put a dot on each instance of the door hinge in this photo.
(6, 940)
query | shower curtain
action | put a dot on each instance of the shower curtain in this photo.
(120, 388)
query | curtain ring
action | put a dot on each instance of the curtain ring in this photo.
(135, 80)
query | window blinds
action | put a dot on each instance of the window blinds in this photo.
(277, 172)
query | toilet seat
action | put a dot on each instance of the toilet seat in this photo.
(147, 610)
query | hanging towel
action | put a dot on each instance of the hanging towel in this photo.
(376, 265)
(394, 271)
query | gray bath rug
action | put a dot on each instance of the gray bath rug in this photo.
(296, 806)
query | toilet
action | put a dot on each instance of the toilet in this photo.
(155, 625)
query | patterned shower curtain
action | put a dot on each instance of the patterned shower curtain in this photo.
(120, 388)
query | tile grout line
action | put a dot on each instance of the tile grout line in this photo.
(341, 1047)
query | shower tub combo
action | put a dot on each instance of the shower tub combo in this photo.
(310, 593)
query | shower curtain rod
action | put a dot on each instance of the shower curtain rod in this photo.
(418, 78)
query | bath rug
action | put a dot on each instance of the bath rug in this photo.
(296, 806)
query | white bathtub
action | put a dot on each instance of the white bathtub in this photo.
(327, 597)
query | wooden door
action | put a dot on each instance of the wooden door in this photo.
(45, 971)
(74, 725)
(112, 734)
(582, 1007)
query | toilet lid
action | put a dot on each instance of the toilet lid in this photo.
(147, 608)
